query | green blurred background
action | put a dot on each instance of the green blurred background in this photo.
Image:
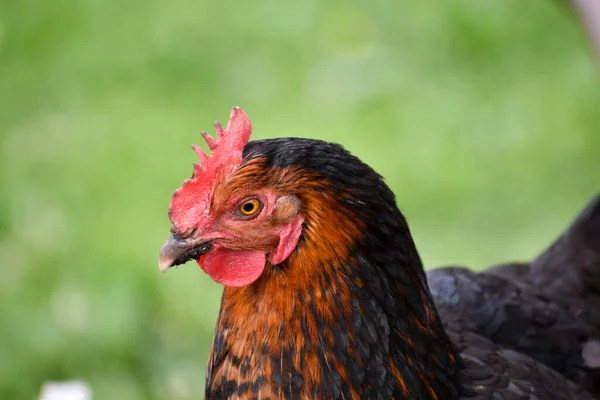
(482, 116)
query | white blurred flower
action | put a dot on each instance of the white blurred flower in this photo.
(70, 390)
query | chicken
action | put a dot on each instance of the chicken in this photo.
(325, 294)
(547, 309)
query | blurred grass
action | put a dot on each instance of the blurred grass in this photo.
(483, 117)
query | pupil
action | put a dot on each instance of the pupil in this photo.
(248, 207)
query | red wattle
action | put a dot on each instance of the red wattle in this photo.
(234, 268)
(202, 262)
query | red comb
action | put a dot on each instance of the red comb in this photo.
(191, 202)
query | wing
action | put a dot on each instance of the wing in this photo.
(493, 372)
(547, 309)
(521, 319)
(568, 272)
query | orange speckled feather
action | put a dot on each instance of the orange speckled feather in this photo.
(283, 327)
(286, 290)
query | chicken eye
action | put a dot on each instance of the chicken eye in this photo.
(249, 207)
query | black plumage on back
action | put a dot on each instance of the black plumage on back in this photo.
(548, 309)
(568, 272)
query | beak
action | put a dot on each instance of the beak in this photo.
(177, 250)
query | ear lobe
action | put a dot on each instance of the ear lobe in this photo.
(286, 208)
(288, 240)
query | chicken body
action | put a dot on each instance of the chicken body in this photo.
(343, 310)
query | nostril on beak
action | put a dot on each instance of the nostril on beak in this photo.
(177, 251)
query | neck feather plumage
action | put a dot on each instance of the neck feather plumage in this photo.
(348, 315)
